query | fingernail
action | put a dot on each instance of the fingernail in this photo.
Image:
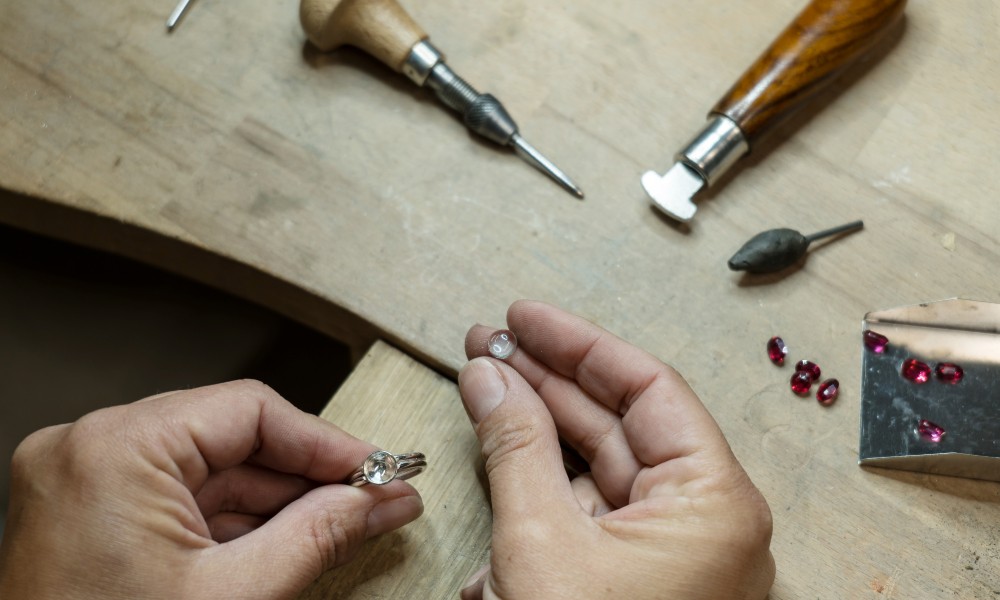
(482, 388)
(393, 514)
(476, 578)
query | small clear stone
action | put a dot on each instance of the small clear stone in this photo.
(828, 392)
(777, 350)
(916, 371)
(502, 344)
(930, 431)
(808, 366)
(380, 467)
(876, 342)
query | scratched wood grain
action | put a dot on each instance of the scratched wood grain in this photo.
(328, 187)
(400, 405)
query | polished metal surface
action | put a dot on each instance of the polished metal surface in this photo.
(176, 15)
(963, 332)
(421, 61)
(537, 160)
(485, 115)
(716, 148)
(673, 192)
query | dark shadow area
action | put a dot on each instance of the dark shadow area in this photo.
(81, 329)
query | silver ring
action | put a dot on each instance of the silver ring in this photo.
(381, 467)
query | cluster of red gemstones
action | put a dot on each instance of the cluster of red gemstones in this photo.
(919, 372)
(806, 374)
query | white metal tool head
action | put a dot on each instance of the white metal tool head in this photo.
(710, 154)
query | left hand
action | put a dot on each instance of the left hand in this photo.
(226, 491)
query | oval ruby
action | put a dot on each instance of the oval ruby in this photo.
(777, 350)
(930, 431)
(801, 382)
(916, 371)
(876, 342)
(949, 372)
(808, 366)
(828, 392)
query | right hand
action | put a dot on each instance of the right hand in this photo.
(666, 511)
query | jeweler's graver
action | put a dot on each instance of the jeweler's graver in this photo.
(502, 344)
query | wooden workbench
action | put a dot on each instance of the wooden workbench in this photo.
(331, 189)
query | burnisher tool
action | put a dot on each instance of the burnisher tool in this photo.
(823, 40)
(383, 29)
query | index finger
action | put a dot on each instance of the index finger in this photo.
(662, 417)
(213, 428)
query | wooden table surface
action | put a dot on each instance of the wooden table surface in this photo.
(333, 190)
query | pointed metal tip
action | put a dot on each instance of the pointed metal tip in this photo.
(537, 160)
(176, 15)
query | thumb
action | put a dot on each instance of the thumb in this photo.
(323, 529)
(519, 441)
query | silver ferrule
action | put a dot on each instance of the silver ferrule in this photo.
(715, 149)
(421, 61)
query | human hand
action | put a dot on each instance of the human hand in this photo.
(225, 491)
(666, 511)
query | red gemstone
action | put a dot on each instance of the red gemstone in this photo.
(930, 431)
(808, 366)
(917, 371)
(949, 372)
(828, 391)
(801, 382)
(776, 350)
(876, 342)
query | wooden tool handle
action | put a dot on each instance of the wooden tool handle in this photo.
(826, 38)
(379, 27)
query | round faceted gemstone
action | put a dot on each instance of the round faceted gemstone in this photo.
(916, 371)
(930, 431)
(502, 344)
(808, 366)
(380, 468)
(801, 382)
(828, 392)
(949, 372)
(777, 350)
(876, 342)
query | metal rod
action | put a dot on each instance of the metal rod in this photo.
(834, 231)
(535, 158)
(177, 14)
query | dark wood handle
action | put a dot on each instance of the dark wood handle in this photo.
(379, 27)
(826, 38)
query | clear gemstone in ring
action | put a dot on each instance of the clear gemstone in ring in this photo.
(381, 467)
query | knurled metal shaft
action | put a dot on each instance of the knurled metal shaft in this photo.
(484, 115)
